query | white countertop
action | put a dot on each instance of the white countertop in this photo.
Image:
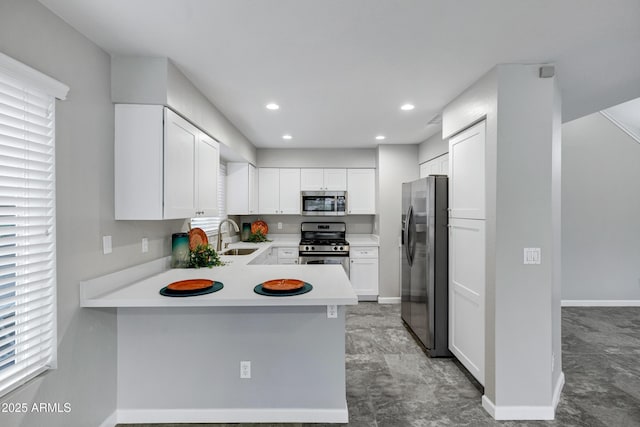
(134, 287)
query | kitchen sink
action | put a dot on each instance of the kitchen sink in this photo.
(239, 251)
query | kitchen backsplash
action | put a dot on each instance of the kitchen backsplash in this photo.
(356, 224)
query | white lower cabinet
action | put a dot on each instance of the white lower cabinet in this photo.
(287, 255)
(467, 293)
(363, 272)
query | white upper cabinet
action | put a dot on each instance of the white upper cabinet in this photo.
(165, 168)
(467, 173)
(279, 191)
(437, 166)
(361, 191)
(242, 194)
(323, 179)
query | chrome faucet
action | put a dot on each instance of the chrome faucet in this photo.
(235, 227)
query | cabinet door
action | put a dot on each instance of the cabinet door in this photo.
(269, 190)
(237, 188)
(444, 164)
(467, 293)
(207, 166)
(335, 179)
(424, 169)
(363, 275)
(290, 191)
(361, 191)
(311, 179)
(180, 139)
(466, 186)
(253, 190)
(138, 161)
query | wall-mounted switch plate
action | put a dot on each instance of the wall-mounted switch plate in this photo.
(332, 311)
(145, 245)
(532, 256)
(106, 245)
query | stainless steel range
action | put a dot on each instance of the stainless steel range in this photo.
(324, 243)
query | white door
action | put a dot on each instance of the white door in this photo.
(290, 191)
(180, 139)
(467, 293)
(311, 179)
(361, 191)
(269, 190)
(208, 163)
(335, 179)
(467, 180)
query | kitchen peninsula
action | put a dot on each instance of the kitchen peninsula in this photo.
(179, 358)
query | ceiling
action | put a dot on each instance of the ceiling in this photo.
(341, 69)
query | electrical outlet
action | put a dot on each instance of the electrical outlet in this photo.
(245, 369)
(106, 245)
(145, 245)
(279, 226)
(332, 311)
(553, 361)
(532, 256)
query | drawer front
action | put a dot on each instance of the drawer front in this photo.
(363, 252)
(287, 253)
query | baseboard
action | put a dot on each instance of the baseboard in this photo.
(557, 391)
(600, 303)
(503, 413)
(388, 300)
(111, 420)
(310, 415)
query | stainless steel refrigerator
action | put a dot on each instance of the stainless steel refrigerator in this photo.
(425, 298)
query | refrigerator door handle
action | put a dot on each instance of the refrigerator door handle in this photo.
(407, 240)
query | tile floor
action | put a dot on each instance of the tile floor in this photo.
(390, 382)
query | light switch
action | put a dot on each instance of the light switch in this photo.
(532, 256)
(106, 244)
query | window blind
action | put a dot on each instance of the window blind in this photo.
(211, 224)
(27, 232)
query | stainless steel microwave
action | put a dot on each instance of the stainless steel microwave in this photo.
(324, 203)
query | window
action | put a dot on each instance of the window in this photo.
(210, 224)
(27, 223)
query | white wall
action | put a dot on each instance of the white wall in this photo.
(86, 374)
(433, 147)
(396, 164)
(522, 113)
(600, 211)
(316, 158)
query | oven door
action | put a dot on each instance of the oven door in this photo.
(326, 260)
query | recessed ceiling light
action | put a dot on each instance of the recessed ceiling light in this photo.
(272, 106)
(380, 137)
(407, 107)
(287, 136)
